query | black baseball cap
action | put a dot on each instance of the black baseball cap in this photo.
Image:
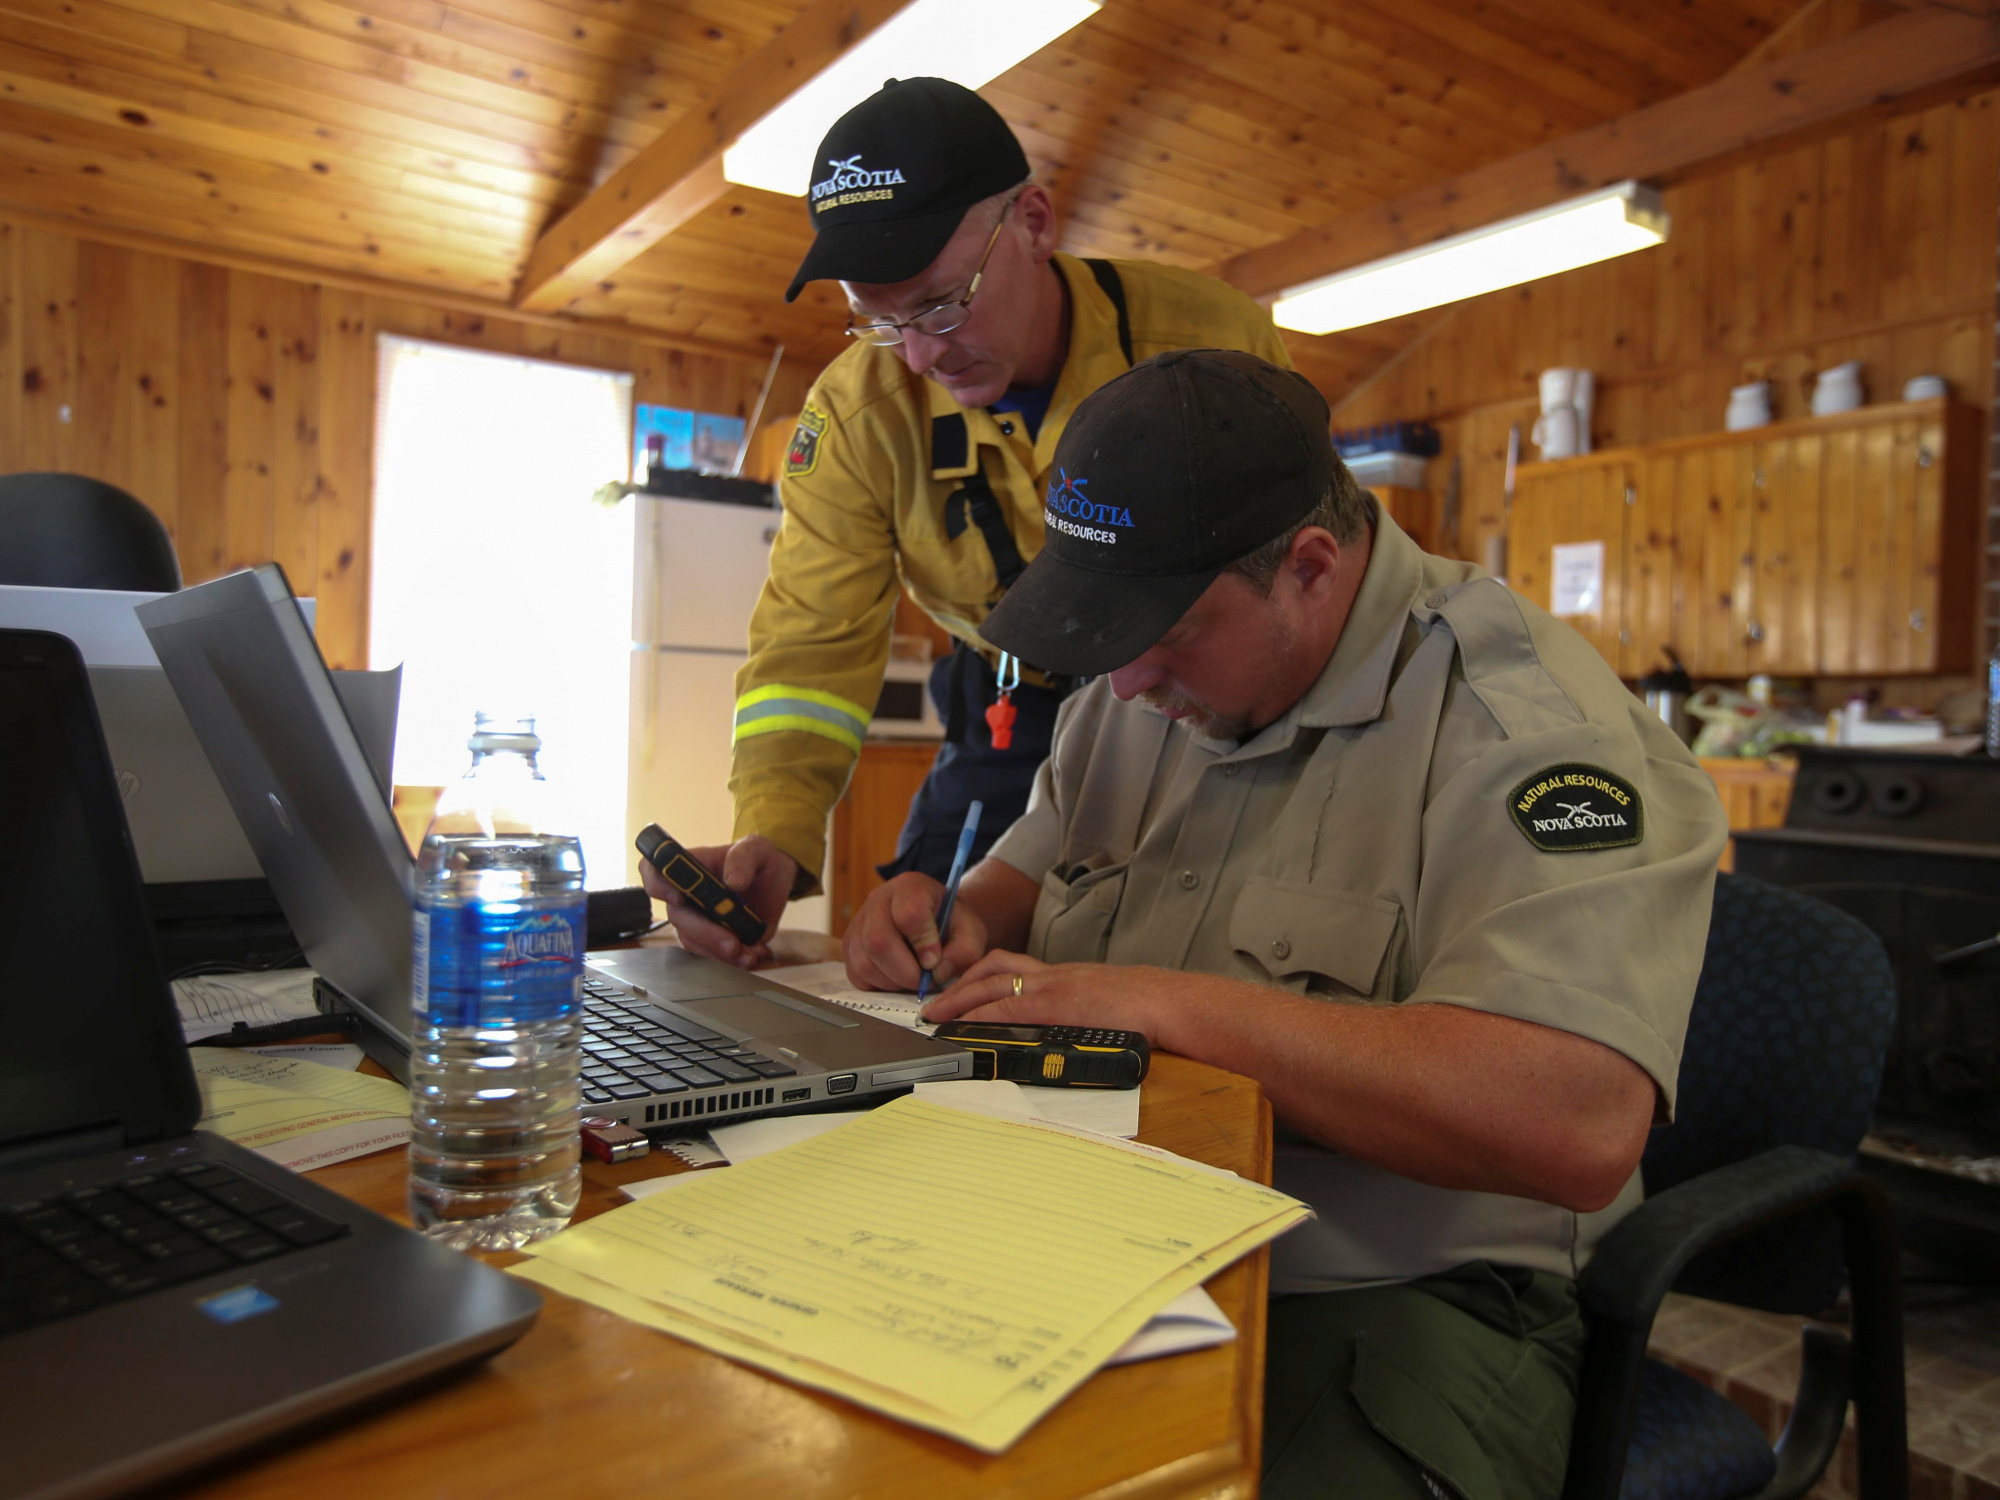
(895, 175)
(1163, 477)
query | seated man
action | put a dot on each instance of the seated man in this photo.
(1362, 824)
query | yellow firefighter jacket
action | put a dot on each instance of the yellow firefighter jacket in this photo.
(876, 496)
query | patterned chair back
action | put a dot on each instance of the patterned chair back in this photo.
(1785, 1045)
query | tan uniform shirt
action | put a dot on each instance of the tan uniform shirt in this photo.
(867, 490)
(1467, 806)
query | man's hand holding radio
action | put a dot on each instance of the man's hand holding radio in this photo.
(758, 870)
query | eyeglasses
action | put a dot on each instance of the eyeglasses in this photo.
(946, 317)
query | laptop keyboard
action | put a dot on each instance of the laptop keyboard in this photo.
(633, 1050)
(64, 1255)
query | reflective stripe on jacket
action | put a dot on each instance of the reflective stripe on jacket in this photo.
(874, 494)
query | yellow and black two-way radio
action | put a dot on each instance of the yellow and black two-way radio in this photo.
(1059, 1057)
(704, 889)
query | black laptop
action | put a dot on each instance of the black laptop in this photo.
(166, 1297)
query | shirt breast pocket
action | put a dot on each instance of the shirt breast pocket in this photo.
(1315, 940)
(1073, 916)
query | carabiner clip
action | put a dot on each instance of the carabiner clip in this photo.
(1009, 664)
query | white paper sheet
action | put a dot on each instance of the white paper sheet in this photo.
(829, 982)
(213, 1003)
(1576, 579)
(343, 1055)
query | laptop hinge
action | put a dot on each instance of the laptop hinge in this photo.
(79, 1142)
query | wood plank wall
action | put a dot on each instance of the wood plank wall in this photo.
(1877, 245)
(241, 407)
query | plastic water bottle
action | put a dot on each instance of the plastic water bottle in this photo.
(496, 998)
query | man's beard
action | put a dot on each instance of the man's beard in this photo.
(1280, 639)
(1198, 717)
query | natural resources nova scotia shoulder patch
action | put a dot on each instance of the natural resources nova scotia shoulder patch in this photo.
(1573, 807)
(802, 457)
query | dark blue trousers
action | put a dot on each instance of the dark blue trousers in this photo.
(969, 769)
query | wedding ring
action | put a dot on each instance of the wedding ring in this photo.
(1018, 981)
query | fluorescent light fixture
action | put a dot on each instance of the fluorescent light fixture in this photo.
(1597, 226)
(969, 43)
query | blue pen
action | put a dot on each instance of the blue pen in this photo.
(965, 837)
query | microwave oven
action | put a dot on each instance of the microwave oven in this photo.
(905, 711)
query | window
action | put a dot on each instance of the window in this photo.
(497, 583)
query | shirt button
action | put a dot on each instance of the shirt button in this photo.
(1436, 601)
(1007, 429)
(1189, 880)
(1232, 768)
(1280, 949)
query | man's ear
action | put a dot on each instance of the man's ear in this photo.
(1037, 215)
(1314, 561)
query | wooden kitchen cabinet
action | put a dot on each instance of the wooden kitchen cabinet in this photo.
(1843, 545)
(869, 818)
(1578, 502)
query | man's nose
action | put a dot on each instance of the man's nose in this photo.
(922, 351)
(1137, 677)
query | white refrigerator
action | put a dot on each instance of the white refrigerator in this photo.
(697, 568)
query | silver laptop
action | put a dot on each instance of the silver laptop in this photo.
(671, 1039)
(166, 1296)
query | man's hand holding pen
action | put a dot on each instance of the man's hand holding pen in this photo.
(894, 938)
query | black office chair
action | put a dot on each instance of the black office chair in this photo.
(1752, 1199)
(69, 532)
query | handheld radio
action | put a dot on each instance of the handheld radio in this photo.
(702, 887)
(1056, 1057)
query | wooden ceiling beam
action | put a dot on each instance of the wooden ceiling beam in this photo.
(1915, 59)
(680, 173)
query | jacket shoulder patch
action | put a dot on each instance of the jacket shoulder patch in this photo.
(802, 457)
(1571, 807)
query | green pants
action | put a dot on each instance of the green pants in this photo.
(1460, 1386)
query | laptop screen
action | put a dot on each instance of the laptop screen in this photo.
(88, 1034)
(284, 748)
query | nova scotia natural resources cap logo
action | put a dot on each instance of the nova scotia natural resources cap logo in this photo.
(853, 183)
(1067, 509)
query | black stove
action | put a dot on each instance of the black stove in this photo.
(1909, 843)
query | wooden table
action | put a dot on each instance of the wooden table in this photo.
(587, 1404)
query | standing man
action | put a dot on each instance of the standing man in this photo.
(922, 461)
(1359, 823)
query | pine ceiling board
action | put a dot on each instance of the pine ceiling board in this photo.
(158, 153)
(660, 39)
(186, 221)
(114, 181)
(319, 91)
(259, 151)
(1106, 177)
(401, 67)
(1731, 28)
(1684, 54)
(152, 86)
(1383, 59)
(1200, 141)
(1218, 123)
(1255, 139)
(91, 24)
(1470, 28)
(1389, 56)
(1548, 48)
(1306, 94)
(1329, 71)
